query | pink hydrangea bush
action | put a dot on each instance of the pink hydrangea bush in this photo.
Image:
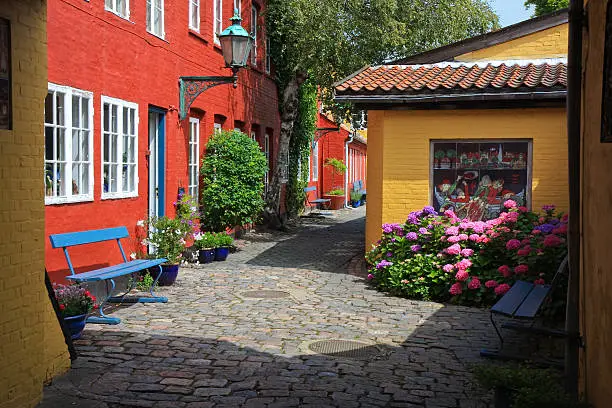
(438, 256)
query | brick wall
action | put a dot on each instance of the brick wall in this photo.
(94, 50)
(32, 348)
(549, 43)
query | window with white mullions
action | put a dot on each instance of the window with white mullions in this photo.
(194, 157)
(119, 148)
(238, 6)
(155, 17)
(268, 57)
(315, 162)
(119, 7)
(267, 153)
(194, 15)
(254, 35)
(68, 145)
(217, 20)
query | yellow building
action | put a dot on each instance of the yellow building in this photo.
(468, 125)
(32, 348)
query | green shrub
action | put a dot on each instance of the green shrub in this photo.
(529, 387)
(355, 196)
(232, 171)
(167, 236)
(335, 192)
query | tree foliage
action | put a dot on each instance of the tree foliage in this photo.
(324, 41)
(546, 6)
(233, 172)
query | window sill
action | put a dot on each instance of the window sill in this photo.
(217, 46)
(68, 200)
(126, 18)
(158, 37)
(197, 35)
(118, 196)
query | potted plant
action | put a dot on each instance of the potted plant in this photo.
(452, 155)
(167, 237)
(223, 242)
(205, 243)
(75, 302)
(337, 198)
(355, 199)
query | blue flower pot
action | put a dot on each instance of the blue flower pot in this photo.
(221, 253)
(168, 276)
(356, 204)
(75, 325)
(206, 255)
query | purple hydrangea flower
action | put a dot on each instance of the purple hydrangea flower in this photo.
(422, 230)
(545, 228)
(412, 236)
(383, 264)
(429, 210)
(415, 248)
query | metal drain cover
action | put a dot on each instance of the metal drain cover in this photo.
(265, 294)
(345, 348)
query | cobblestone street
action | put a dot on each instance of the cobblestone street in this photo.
(212, 345)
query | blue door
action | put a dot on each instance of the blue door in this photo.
(157, 161)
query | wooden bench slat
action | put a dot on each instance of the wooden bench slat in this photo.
(87, 237)
(511, 301)
(116, 270)
(530, 306)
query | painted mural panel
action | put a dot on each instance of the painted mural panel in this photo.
(474, 178)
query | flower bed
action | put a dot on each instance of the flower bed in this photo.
(440, 257)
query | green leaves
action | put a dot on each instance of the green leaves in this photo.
(546, 6)
(233, 171)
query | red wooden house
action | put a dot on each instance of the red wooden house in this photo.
(115, 149)
(336, 141)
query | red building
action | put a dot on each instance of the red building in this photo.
(115, 149)
(334, 141)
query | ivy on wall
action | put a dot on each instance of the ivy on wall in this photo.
(304, 129)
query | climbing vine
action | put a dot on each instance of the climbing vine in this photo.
(304, 129)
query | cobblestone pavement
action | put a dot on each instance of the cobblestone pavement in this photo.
(212, 346)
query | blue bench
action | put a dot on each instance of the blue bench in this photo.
(358, 188)
(316, 201)
(108, 273)
(523, 301)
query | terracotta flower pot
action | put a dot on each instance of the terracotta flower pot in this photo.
(336, 203)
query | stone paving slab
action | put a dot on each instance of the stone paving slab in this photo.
(210, 346)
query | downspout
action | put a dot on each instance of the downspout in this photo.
(346, 173)
(574, 103)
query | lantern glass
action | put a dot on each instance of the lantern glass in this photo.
(235, 44)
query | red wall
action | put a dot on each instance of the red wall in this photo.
(331, 145)
(94, 50)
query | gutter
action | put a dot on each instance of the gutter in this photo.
(346, 173)
(574, 101)
(394, 99)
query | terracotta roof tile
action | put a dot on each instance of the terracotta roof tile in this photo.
(457, 77)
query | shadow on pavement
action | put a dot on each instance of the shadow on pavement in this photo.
(120, 369)
(322, 246)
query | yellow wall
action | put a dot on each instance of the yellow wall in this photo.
(32, 348)
(550, 43)
(400, 183)
(596, 263)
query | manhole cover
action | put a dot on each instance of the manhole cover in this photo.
(265, 294)
(345, 348)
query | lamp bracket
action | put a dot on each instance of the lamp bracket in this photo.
(320, 132)
(190, 87)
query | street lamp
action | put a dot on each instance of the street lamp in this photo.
(236, 44)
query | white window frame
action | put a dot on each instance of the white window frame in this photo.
(120, 132)
(238, 6)
(193, 162)
(217, 20)
(113, 8)
(254, 135)
(315, 162)
(68, 93)
(194, 11)
(254, 15)
(267, 153)
(217, 128)
(151, 18)
(268, 57)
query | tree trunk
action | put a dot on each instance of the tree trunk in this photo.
(289, 111)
